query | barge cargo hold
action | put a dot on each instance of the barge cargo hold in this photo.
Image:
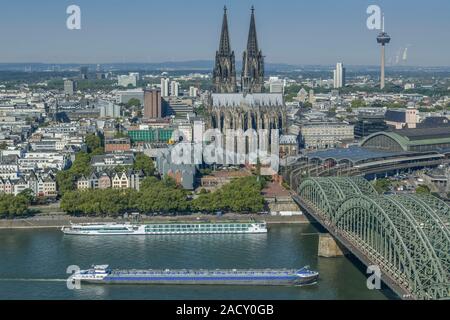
(102, 274)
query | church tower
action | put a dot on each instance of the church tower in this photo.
(224, 74)
(253, 62)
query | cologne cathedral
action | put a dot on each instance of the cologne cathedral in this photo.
(244, 106)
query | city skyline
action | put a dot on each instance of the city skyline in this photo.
(290, 32)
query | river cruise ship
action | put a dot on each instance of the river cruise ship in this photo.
(102, 274)
(95, 229)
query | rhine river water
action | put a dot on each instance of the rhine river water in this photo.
(33, 264)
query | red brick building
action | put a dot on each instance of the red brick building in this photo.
(117, 145)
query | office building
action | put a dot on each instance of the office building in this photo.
(69, 87)
(174, 89)
(117, 145)
(193, 92)
(325, 135)
(126, 95)
(109, 110)
(179, 107)
(165, 87)
(84, 73)
(276, 85)
(152, 104)
(368, 124)
(339, 76)
(402, 118)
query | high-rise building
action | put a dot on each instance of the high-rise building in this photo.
(198, 131)
(311, 97)
(253, 62)
(193, 91)
(99, 73)
(178, 107)
(153, 104)
(276, 85)
(368, 124)
(339, 76)
(383, 39)
(84, 73)
(109, 110)
(69, 87)
(224, 74)
(165, 87)
(174, 89)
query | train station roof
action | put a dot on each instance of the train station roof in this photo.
(408, 138)
(354, 154)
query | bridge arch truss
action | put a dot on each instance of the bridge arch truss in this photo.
(408, 236)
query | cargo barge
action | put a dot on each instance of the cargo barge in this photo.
(103, 274)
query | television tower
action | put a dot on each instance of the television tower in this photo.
(383, 39)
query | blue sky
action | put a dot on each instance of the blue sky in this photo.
(289, 31)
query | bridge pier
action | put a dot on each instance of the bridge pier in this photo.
(329, 247)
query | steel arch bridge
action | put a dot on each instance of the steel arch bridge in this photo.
(407, 236)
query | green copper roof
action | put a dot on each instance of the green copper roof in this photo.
(406, 143)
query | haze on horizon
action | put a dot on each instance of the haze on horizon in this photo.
(320, 32)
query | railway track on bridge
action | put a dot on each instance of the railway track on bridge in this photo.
(407, 237)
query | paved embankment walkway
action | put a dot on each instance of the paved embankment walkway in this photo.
(59, 220)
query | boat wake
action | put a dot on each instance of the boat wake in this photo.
(32, 280)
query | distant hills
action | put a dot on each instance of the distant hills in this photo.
(200, 65)
(194, 65)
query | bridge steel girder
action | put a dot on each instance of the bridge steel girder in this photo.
(327, 194)
(313, 191)
(440, 207)
(391, 235)
(432, 226)
(407, 236)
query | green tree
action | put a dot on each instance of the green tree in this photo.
(307, 105)
(29, 195)
(382, 185)
(422, 189)
(80, 167)
(358, 103)
(242, 195)
(133, 102)
(144, 163)
(13, 206)
(93, 142)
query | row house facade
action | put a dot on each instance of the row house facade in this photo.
(102, 180)
(42, 186)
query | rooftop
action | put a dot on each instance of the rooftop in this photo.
(252, 100)
(424, 133)
(353, 154)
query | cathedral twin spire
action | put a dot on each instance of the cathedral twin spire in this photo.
(224, 75)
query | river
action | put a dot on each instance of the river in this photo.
(33, 264)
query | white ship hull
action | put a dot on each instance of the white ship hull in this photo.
(164, 229)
